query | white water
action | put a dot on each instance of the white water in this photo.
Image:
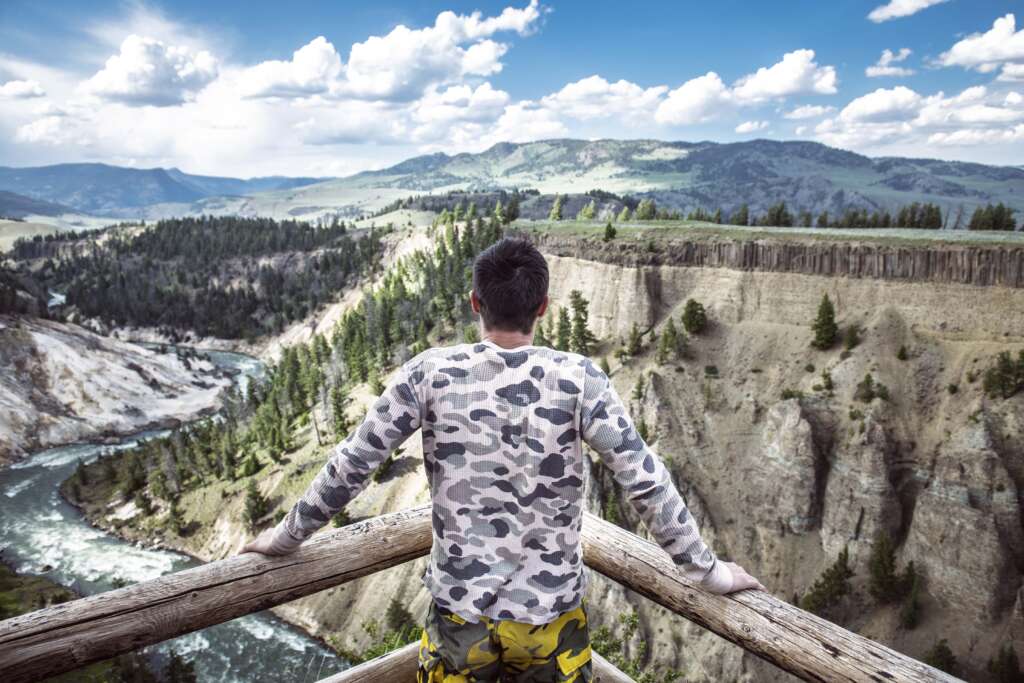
(42, 534)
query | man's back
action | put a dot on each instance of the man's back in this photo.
(502, 431)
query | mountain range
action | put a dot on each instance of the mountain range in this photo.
(107, 190)
(679, 175)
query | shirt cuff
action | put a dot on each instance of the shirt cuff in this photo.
(283, 542)
(718, 580)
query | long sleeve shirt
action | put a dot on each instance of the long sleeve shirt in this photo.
(503, 433)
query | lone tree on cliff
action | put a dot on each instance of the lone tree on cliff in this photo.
(581, 339)
(695, 319)
(824, 327)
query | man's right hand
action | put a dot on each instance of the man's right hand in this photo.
(729, 577)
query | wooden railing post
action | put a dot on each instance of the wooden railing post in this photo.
(794, 640)
(77, 633)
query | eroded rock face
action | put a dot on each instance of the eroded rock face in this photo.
(966, 531)
(860, 501)
(788, 459)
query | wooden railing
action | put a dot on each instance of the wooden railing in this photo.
(71, 635)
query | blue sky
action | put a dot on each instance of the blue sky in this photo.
(331, 88)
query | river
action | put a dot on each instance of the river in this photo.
(42, 534)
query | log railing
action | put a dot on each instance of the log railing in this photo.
(71, 635)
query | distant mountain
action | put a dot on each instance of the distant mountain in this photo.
(105, 189)
(685, 176)
(13, 205)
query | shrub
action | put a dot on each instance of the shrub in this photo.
(831, 586)
(910, 610)
(609, 232)
(941, 657)
(1005, 667)
(826, 381)
(952, 388)
(902, 353)
(868, 390)
(1006, 377)
(824, 326)
(341, 519)
(695, 318)
(851, 338)
(809, 367)
(791, 393)
(711, 371)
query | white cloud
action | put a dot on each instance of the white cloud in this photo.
(524, 121)
(1013, 99)
(313, 69)
(901, 116)
(21, 90)
(403, 64)
(895, 9)
(695, 101)
(885, 65)
(148, 72)
(796, 73)
(751, 126)
(891, 104)
(594, 97)
(808, 111)
(970, 137)
(48, 130)
(986, 51)
(1012, 73)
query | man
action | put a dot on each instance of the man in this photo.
(503, 423)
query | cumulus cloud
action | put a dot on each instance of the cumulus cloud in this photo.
(901, 115)
(796, 73)
(148, 72)
(695, 101)
(403, 64)
(885, 66)
(895, 9)
(1012, 73)
(313, 69)
(21, 90)
(987, 51)
(594, 97)
(751, 126)
(524, 121)
(1013, 99)
(51, 130)
(808, 111)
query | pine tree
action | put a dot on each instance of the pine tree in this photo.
(624, 215)
(339, 421)
(670, 345)
(941, 657)
(563, 332)
(883, 581)
(824, 327)
(1005, 667)
(831, 586)
(609, 232)
(499, 212)
(540, 335)
(646, 210)
(695, 319)
(255, 506)
(588, 211)
(556, 209)
(910, 610)
(741, 216)
(581, 338)
(638, 388)
(635, 342)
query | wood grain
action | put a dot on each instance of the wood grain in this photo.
(794, 640)
(68, 636)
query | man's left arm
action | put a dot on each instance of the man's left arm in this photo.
(389, 422)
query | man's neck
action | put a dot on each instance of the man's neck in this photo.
(508, 339)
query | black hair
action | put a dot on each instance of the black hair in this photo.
(510, 279)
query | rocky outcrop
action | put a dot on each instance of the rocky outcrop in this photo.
(61, 384)
(968, 264)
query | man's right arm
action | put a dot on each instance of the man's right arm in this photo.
(606, 426)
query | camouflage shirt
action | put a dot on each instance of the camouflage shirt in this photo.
(502, 437)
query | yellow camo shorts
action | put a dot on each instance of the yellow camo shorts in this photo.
(453, 650)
